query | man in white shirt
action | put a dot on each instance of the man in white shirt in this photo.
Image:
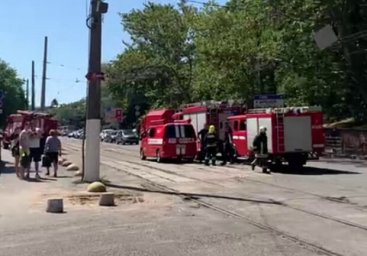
(24, 138)
(35, 147)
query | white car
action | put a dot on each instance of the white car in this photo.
(105, 133)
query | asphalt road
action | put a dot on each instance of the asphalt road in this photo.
(191, 209)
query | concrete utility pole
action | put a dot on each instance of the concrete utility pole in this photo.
(94, 76)
(33, 107)
(27, 93)
(44, 76)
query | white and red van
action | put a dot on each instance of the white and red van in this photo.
(165, 139)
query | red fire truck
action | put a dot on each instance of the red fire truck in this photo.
(162, 137)
(210, 113)
(294, 134)
(44, 121)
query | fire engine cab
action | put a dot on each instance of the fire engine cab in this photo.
(44, 121)
(164, 138)
(295, 134)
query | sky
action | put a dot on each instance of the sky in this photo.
(25, 23)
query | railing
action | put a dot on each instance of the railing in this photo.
(345, 142)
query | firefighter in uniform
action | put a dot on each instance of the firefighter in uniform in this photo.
(260, 148)
(228, 152)
(211, 142)
(202, 134)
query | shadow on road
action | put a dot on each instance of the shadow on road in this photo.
(341, 161)
(195, 196)
(312, 171)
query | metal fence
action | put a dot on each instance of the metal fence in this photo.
(346, 142)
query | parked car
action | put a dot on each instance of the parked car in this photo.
(105, 133)
(127, 137)
(110, 137)
(73, 134)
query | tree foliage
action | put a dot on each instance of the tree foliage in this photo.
(11, 86)
(180, 54)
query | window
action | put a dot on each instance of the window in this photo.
(151, 133)
(243, 126)
(235, 125)
(189, 132)
(171, 131)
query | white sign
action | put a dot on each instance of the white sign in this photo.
(325, 37)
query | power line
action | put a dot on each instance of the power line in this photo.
(63, 66)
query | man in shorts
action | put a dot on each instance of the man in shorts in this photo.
(35, 147)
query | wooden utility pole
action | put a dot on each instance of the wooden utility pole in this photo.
(33, 103)
(44, 76)
(94, 76)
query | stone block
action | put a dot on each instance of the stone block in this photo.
(55, 206)
(107, 199)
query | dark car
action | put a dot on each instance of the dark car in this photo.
(127, 137)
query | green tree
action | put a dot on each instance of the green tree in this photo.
(11, 87)
(180, 54)
(156, 68)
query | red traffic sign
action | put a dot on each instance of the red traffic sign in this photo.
(95, 76)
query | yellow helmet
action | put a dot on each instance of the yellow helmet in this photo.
(212, 129)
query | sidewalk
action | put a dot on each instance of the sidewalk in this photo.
(19, 196)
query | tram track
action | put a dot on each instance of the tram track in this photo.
(157, 187)
(138, 164)
(280, 203)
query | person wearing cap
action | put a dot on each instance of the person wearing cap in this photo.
(260, 146)
(211, 142)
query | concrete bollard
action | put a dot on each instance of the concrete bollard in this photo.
(72, 167)
(78, 174)
(66, 163)
(55, 206)
(107, 199)
(96, 187)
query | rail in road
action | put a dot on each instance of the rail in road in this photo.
(215, 207)
(118, 151)
(157, 177)
(222, 170)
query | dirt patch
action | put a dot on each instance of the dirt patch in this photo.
(89, 199)
(92, 199)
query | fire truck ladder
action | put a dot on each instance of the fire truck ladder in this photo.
(280, 131)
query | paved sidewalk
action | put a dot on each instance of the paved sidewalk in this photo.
(19, 196)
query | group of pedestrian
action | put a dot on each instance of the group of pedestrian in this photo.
(211, 145)
(30, 145)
